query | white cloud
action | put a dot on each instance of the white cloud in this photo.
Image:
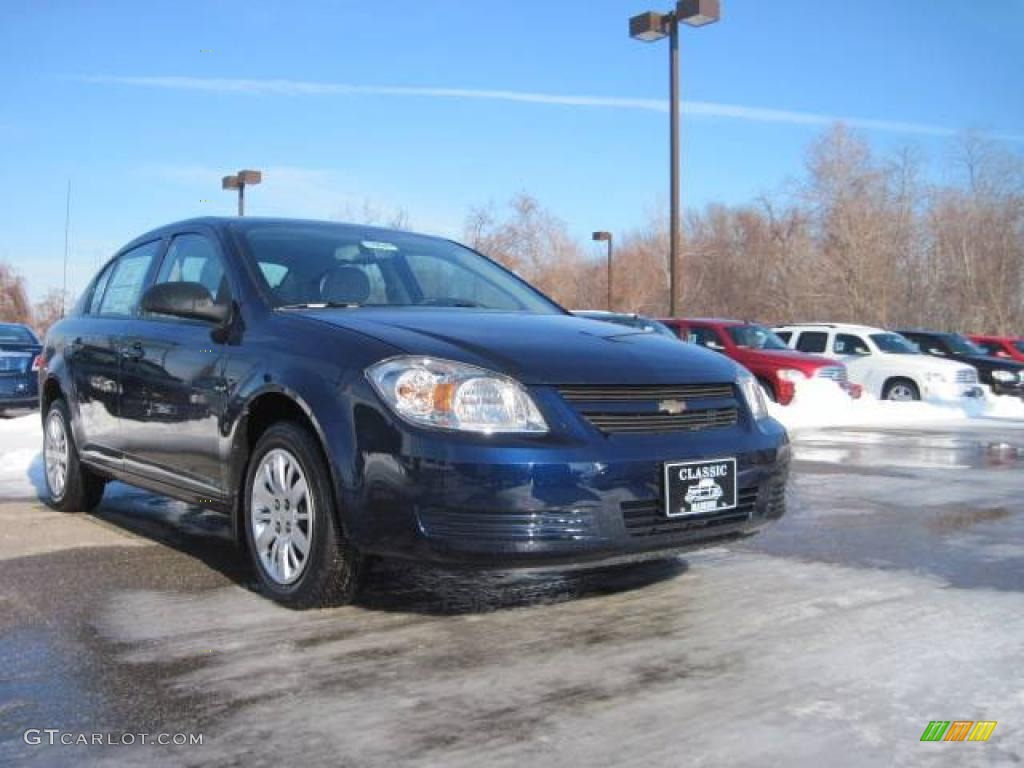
(280, 87)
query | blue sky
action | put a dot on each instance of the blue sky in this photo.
(434, 106)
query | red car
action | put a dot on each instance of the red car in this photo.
(764, 354)
(1001, 346)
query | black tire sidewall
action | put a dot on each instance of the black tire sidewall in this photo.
(298, 442)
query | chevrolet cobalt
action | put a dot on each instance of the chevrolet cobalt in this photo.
(343, 392)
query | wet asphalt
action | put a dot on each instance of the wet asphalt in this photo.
(890, 595)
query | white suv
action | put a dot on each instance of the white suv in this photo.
(885, 364)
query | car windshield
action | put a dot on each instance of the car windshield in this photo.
(962, 346)
(16, 334)
(755, 337)
(308, 264)
(633, 321)
(894, 344)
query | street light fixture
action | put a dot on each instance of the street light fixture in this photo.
(606, 237)
(240, 181)
(648, 27)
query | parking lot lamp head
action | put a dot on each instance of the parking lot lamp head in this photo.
(239, 181)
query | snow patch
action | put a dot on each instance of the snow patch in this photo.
(821, 404)
(21, 462)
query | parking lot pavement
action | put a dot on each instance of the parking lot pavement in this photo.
(891, 595)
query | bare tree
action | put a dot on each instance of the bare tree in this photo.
(14, 305)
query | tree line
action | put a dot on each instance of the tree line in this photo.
(855, 237)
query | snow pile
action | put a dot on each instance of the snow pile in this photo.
(21, 462)
(821, 404)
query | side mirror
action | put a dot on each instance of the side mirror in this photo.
(188, 300)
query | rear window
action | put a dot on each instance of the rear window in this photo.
(16, 334)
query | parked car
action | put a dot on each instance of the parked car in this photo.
(1011, 347)
(640, 322)
(1005, 377)
(776, 366)
(885, 364)
(342, 391)
(19, 367)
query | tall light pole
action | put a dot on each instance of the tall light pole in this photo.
(240, 181)
(606, 237)
(648, 27)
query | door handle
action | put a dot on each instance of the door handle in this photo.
(133, 351)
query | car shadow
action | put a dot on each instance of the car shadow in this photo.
(389, 585)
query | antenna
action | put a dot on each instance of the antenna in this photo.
(67, 227)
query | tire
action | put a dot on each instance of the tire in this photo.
(70, 486)
(901, 390)
(287, 499)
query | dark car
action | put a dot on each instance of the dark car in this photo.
(19, 367)
(1005, 377)
(641, 322)
(343, 391)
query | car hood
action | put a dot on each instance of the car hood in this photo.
(990, 363)
(784, 357)
(534, 348)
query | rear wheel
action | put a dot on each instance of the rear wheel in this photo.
(299, 554)
(901, 390)
(71, 486)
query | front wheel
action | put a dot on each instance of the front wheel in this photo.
(901, 390)
(71, 486)
(299, 554)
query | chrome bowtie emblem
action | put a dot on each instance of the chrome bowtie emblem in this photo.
(671, 407)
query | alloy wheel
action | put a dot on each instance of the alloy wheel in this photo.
(56, 454)
(281, 516)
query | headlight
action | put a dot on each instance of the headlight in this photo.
(753, 395)
(791, 374)
(449, 395)
(1004, 376)
(939, 378)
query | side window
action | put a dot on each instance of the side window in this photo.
(814, 342)
(127, 279)
(848, 344)
(930, 346)
(705, 337)
(195, 259)
(784, 335)
(990, 347)
(98, 288)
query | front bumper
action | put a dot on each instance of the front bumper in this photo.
(517, 507)
(951, 392)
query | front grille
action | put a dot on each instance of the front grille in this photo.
(672, 408)
(647, 518)
(833, 372)
(967, 376)
(465, 524)
(686, 392)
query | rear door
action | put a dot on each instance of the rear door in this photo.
(94, 352)
(173, 380)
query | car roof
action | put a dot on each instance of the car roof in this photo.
(223, 223)
(724, 321)
(852, 327)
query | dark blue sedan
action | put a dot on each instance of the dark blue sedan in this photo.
(344, 391)
(19, 367)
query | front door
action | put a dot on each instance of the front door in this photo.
(174, 392)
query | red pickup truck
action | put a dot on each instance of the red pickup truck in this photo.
(764, 354)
